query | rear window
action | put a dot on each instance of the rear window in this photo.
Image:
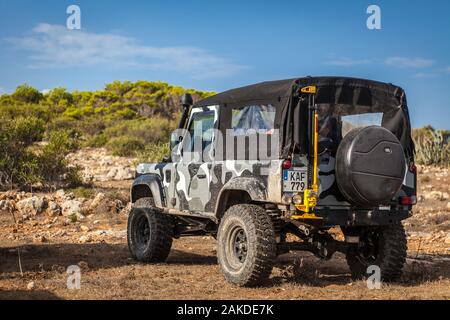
(336, 121)
(360, 121)
(253, 119)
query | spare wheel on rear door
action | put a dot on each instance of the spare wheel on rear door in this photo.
(370, 166)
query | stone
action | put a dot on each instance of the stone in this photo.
(80, 217)
(31, 206)
(71, 207)
(104, 205)
(31, 285)
(6, 206)
(124, 174)
(84, 266)
(435, 195)
(60, 194)
(99, 198)
(447, 239)
(448, 206)
(85, 228)
(120, 173)
(53, 209)
(85, 239)
(111, 173)
(87, 177)
(60, 233)
(40, 239)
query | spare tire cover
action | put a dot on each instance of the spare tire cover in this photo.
(370, 166)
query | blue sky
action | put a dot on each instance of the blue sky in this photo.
(218, 45)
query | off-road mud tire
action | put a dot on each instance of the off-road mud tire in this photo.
(390, 257)
(261, 245)
(144, 203)
(149, 232)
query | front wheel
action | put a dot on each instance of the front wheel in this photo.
(385, 247)
(149, 234)
(246, 245)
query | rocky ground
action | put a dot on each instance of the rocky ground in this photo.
(87, 227)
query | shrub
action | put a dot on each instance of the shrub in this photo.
(126, 146)
(12, 111)
(83, 192)
(24, 164)
(17, 163)
(119, 88)
(126, 113)
(153, 153)
(52, 159)
(26, 131)
(59, 97)
(96, 141)
(26, 94)
(151, 130)
(432, 146)
(130, 118)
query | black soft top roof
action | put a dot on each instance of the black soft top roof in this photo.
(335, 94)
(280, 89)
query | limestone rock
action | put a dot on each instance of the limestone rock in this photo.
(71, 207)
(31, 206)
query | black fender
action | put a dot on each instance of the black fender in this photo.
(254, 187)
(149, 185)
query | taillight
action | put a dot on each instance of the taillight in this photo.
(412, 168)
(408, 201)
(287, 164)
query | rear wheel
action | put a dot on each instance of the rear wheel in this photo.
(384, 247)
(246, 245)
(149, 233)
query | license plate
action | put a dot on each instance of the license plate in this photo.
(295, 180)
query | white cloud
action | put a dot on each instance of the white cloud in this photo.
(347, 62)
(54, 46)
(403, 62)
(421, 75)
(45, 91)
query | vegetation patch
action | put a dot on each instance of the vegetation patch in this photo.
(38, 130)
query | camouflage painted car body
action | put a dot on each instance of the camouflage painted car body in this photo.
(197, 187)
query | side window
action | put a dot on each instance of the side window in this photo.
(200, 131)
(253, 119)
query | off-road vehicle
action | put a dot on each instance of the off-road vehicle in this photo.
(272, 167)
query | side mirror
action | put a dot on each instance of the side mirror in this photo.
(175, 140)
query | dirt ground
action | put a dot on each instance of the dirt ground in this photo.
(48, 246)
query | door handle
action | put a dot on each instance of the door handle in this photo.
(201, 176)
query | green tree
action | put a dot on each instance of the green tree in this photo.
(59, 96)
(27, 94)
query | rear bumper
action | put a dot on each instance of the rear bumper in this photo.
(354, 218)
